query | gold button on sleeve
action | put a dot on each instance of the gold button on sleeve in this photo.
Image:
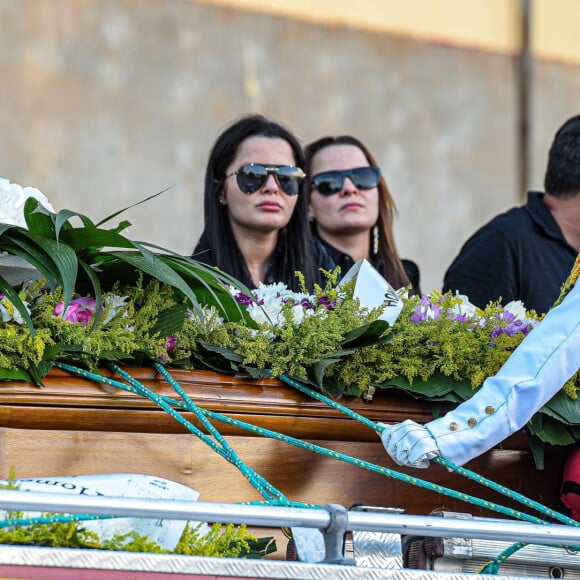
(489, 410)
(472, 421)
(453, 426)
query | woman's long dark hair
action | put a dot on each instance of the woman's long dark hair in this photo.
(391, 265)
(294, 248)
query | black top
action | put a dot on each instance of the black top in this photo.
(276, 272)
(518, 255)
(346, 262)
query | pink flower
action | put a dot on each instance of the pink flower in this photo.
(79, 310)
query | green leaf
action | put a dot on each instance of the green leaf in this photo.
(208, 289)
(89, 237)
(29, 251)
(170, 321)
(62, 217)
(319, 367)
(38, 218)
(14, 375)
(256, 373)
(564, 408)
(65, 261)
(159, 270)
(550, 430)
(227, 353)
(13, 297)
(436, 387)
(259, 548)
(538, 451)
(7, 227)
(92, 276)
(367, 334)
(40, 371)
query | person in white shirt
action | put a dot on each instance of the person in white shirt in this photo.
(535, 371)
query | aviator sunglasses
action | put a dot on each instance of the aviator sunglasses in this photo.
(331, 182)
(252, 176)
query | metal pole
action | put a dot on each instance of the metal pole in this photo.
(524, 97)
(274, 516)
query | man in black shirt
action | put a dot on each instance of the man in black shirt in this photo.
(526, 253)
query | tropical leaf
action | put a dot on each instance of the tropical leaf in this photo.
(550, 431)
(170, 321)
(437, 387)
(64, 260)
(97, 292)
(12, 295)
(38, 218)
(367, 334)
(14, 375)
(208, 289)
(563, 408)
(90, 237)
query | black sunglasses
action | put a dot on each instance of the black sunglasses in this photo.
(252, 176)
(331, 182)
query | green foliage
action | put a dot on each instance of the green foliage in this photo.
(221, 541)
(90, 258)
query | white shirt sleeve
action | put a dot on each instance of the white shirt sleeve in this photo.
(535, 371)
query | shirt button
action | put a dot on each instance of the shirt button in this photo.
(453, 426)
(472, 421)
(489, 410)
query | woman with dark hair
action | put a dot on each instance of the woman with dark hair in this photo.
(256, 211)
(352, 210)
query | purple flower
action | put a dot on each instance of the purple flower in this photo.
(243, 299)
(169, 345)
(324, 301)
(460, 318)
(79, 310)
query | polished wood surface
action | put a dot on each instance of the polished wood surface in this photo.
(74, 426)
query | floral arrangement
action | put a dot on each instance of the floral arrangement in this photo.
(131, 305)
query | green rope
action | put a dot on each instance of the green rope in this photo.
(441, 460)
(494, 565)
(269, 492)
(53, 519)
(136, 388)
(193, 408)
(262, 431)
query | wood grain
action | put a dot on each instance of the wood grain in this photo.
(73, 426)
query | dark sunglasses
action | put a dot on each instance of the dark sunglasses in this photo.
(252, 176)
(331, 182)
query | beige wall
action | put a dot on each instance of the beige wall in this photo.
(108, 101)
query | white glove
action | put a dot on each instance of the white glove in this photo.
(409, 443)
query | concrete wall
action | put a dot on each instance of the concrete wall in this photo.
(106, 102)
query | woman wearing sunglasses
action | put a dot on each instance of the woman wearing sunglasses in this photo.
(256, 213)
(352, 210)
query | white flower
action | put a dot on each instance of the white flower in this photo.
(113, 304)
(517, 308)
(211, 317)
(268, 303)
(9, 313)
(12, 200)
(464, 306)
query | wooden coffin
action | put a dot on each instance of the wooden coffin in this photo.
(75, 426)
